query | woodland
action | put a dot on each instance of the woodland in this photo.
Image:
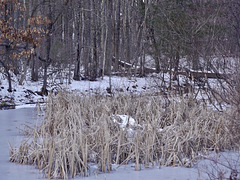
(191, 46)
(91, 39)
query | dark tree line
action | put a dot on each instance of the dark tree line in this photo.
(93, 38)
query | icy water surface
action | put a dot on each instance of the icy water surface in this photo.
(10, 120)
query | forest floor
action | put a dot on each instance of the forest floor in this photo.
(29, 92)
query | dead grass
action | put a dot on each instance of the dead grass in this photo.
(80, 129)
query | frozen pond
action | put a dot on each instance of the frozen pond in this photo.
(11, 119)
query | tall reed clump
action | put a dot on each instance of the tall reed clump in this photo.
(78, 130)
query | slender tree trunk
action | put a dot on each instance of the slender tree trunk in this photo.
(117, 34)
(76, 75)
(48, 48)
(35, 64)
(8, 76)
(155, 46)
(23, 76)
(110, 41)
(104, 51)
(176, 64)
(128, 39)
(9, 81)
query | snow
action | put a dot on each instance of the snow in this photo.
(125, 120)
(126, 123)
(25, 106)
(26, 93)
(21, 94)
(119, 84)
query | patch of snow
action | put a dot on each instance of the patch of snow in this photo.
(25, 106)
(125, 120)
(126, 123)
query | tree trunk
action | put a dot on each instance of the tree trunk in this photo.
(110, 40)
(8, 76)
(23, 76)
(156, 53)
(76, 75)
(176, 64)
(9, 81)
(35, 63)
(117, 34)
(128, 39)
(48, 48)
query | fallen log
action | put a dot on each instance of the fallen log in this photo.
(201, 74)
(187, 72)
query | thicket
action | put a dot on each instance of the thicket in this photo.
(78, 130)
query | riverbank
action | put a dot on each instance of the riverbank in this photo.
(4, 105)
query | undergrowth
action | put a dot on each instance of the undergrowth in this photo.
(78, 130)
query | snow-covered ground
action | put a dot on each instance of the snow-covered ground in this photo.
(27, 93)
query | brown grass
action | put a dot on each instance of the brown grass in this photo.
(79, 129)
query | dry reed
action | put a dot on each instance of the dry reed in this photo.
(78, 130)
